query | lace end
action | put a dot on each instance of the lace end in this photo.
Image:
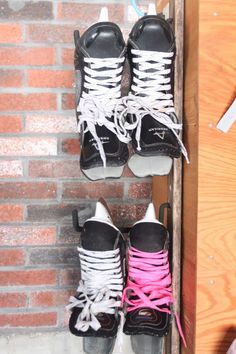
(181, 333)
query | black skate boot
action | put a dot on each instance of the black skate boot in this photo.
(147, 296)
(153, 122)
(95, 307)
(148, 290)
(99, 63)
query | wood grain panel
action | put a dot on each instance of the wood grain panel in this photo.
(216, 260)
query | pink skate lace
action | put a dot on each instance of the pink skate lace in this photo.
(149, 283)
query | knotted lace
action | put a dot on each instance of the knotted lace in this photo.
(100, 288)
(150, 93)
(101, 98)
(149, 283)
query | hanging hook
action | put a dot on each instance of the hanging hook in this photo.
(162, 211)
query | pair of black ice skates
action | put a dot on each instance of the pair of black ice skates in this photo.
(146, 117)
(123, 278)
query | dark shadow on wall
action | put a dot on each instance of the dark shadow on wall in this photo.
(223, 345)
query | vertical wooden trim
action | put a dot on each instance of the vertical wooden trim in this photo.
(173, 184)
(176, 194)
(190, 172)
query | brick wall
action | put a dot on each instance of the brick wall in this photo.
(40, 180)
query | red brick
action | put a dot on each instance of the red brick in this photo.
(140, 190)
(50, 298)
(11, 169)
(10, 33)
(27, 102)
(51, 33)
(27, 190)
(71, 146)
(10, 213)
(127, 172)
(70, 277)
(28, 319)
(51, 124)
(58, 213)
(67, 56)
(11, 78)
(8, 300)
(10, 124)
(27, 56)
(68, 235)
(68, 101)
(27, 235)
(26, 10)
(92, 190)
(28, 146)
(12, 257)
(55, 169)
(28, 277)
(127, 214)
(50, 78)
(88, 12)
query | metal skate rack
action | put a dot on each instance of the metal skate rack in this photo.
(169, 188)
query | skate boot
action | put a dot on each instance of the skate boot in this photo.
(153, 122)
(99, 63)
(95, 307)
(148, 297)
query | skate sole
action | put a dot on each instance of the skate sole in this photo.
(143, 166)
(97, 173)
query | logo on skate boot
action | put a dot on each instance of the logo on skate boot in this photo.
(160, 132)
(103, 139)
(146, 313)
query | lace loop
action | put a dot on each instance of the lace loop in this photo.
(149, 283)
(150, 94)
(100, 289)
(101, 99)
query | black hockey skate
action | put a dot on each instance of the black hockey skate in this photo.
(153, 122)
(95, 307)
(99, 63)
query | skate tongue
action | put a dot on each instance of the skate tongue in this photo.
(99, 236)
(99, 232)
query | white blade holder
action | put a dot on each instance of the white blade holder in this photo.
(152, 9)
(103, 17)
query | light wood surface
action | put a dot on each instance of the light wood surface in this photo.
(209, 212)
(216, 297)
(161, 4)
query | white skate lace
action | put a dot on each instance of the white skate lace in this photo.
(149, 93)
(100, 289)
(102, 99)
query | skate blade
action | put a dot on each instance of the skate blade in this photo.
(147, 344)
(98, 345)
